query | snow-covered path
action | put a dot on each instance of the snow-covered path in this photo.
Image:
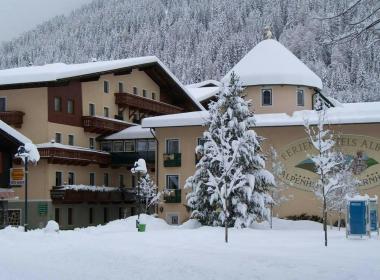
(116, 251)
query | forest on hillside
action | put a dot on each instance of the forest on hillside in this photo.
(203, 39)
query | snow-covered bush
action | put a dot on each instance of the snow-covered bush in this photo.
(51, 227)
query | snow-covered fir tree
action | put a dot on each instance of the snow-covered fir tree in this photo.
(347, 184)
(327, 161)
(231, 186)
(149, 194)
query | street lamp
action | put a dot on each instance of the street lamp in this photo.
(139, 168)
(22, 153)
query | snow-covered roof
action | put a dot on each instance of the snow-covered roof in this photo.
(58, 71)
(366, 112)
(202, 94)
(133, 132)
(67, 147)
(89, 188)
(270, 63)
(205, 83)
(14, 133)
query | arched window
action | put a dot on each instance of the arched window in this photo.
(266, 97)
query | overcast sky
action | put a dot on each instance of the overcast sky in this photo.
(17, 16)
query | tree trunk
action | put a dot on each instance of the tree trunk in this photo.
(226, 230)
(340, 218)
(271, 215)
(325, 220)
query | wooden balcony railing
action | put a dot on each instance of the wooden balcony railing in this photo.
(67, 196)
(101, 125)
(74, 157)
(124, 99)
(14, 118)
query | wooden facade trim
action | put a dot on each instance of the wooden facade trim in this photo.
(14, 118)
(123, 99)
(102, 125)
(74, 157)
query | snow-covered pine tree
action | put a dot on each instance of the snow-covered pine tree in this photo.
(231, 186)
(150, 196)
(279, 192)
(326, 160)
(347, 184)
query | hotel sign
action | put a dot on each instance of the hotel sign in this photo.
(361, 152)
(17, 177)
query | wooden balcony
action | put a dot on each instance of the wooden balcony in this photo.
(102, 125)
(59, 155)
(67, 196)
(144, 104)
(14, 118)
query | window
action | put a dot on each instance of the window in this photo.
(58, 178)
(106, 179)
(91, 109)
(153, 95)
(92, 179)
(145, 94)
(91, 215)
(172, 146)
(118, 146)
(121, 87)
(201, 141)
(3, 104)
(71, 178)
(135, 91)
(151, 145)
(70, 106)
(300, 97)
(71, 140)
(172, 182)
(57, 104)
(142, 145)
(105, 214)
(174, 219)
(266, 97)
(58, 137)
(70, 216)
(56, 215)
(121, 181)
(106, 86)
(106, 112)
(91, 143)
(129, 146)
(106, 146)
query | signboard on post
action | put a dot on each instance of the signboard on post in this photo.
(17, 178)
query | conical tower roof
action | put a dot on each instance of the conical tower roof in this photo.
(271, 63)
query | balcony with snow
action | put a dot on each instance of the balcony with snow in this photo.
(103, 125)
(72, 194)
(57, 153)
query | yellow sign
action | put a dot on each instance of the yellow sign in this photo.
(362, 153)
(17, 177)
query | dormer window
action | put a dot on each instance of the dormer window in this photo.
(266, 97)
(300, 97)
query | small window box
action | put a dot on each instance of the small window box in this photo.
(173, 196)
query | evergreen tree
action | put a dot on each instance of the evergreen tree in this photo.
(231, 185)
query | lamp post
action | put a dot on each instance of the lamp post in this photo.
(139, 168)
(22, 153)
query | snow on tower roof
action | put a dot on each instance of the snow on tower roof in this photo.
(60, 71)
(365, 112)
(133, 132)
(270, 63)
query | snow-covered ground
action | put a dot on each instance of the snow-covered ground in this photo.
(292, 250)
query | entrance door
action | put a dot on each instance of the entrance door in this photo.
(358, 217)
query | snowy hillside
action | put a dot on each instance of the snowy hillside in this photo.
(117, 251)
(203, 39)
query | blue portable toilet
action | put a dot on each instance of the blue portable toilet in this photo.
(373, 214)
(357, 216)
